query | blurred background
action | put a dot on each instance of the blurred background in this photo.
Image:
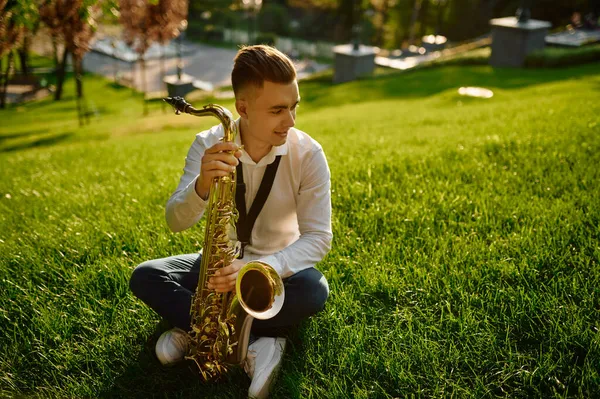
(149, 44)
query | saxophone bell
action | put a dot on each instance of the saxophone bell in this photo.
(260, 290)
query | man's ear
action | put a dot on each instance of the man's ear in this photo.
(241, 106)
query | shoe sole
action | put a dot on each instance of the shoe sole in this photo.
(267, 387)
(264, 393)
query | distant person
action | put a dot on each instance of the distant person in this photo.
(292, 232)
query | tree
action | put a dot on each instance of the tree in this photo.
(145, 22)
(13, 24)
(72, 22)
(29, 18)
(167, 18)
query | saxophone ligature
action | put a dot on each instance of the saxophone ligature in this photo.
(221, 322)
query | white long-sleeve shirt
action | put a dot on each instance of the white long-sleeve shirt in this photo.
(293, 230)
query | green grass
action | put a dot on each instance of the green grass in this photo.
(549, 57)
(466, 250)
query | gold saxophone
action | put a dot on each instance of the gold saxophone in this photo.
(221, 322)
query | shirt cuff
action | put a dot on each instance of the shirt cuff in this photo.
(272, 261)
(191, 197)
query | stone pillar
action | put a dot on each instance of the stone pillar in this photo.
(177, 87)
(351, 63)
(512, 40)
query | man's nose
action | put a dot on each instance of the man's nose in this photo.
(290, 120)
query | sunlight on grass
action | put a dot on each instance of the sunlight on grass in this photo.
(465, 256)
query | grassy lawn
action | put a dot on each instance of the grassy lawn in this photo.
(466, 245)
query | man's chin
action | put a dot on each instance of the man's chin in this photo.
(281, 139)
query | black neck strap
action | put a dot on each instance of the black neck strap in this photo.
(245, 223)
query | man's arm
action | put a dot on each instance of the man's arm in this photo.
(185, 207)
(314, 220)
(188, 203)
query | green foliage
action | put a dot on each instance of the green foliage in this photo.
(25, 12)
(555, 57)
(474, 57)
(465, 260)
(266, 38)
(549, 57)
(274, 18)
(558, 12)
(463, 21)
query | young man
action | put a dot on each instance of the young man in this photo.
(292, 232)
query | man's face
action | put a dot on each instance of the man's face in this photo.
(270, 112)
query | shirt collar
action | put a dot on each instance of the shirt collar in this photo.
(267, 159)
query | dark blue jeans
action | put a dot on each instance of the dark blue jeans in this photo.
(167, 286)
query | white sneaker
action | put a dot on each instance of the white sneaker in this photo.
(262, 364)
(172, 346)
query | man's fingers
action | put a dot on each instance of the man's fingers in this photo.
(222, 146)
(217, 165)
(222, 157)
(224, 287)
(224, 279)
(209, 176)
(234, 267)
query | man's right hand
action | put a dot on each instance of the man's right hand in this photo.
(216, 162)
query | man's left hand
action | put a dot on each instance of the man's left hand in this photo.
(224, 279)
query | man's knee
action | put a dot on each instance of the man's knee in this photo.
(315, 289)
(321, 292)
(140, 277)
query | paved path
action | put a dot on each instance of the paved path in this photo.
(208, 64)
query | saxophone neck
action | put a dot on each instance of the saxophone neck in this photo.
(221, 113)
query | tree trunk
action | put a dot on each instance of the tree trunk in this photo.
(162, 75)
(144, 86)
(55, 53)
(81, 112)
(133, 87)
(78, 76)
(423, 20)
(440, 17)
(345, 18)
(6, 78)
(24, 54)
(60, 75)
(384, 20)
(413, 21)
(1, 78)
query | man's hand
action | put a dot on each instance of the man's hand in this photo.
(224, 279)
(216, 162)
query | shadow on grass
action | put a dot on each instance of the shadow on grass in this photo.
(26, 133)
(49, 102)
(41, 142)
(118, 86)
(425, 82)
(144, 377)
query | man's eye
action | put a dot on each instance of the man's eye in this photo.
(276, 112)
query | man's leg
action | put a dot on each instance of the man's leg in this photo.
(305, 295)
(167, 286)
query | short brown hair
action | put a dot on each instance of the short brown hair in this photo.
(255, 64)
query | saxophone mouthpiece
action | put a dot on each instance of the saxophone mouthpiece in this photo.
(178, 103)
